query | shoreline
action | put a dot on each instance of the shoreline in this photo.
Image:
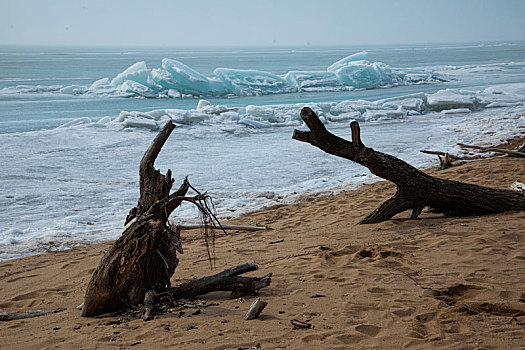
(511, 143)
(48, 203)
(440, 282)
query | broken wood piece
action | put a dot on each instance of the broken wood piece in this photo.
(447, 160)
(415, 189)
(255, 309)
(226, 227)
(226, 281)
(316, 295)
(9, 316)
(277, 241)
(496, 150)
(438, 153)
(300, 324)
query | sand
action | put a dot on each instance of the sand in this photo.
(434, 282)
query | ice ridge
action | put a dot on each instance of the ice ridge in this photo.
(175, 79)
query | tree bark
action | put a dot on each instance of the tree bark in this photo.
(145, 257)
(415, 189)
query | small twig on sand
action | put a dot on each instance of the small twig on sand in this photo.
(300, 324)
(414, 279)
(8, 316)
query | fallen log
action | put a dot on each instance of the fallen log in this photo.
(144, 258)
(415, 189)
(226, 281)
(495, 150)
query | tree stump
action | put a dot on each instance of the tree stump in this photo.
(145, 257)
(415, 189)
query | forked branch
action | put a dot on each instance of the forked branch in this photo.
(415, 189)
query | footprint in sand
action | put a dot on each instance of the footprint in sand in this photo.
(455, 293)
(19, 278)
(378, 290)
(426, 317)
(405, 312)
(368, 329)
(347, 256)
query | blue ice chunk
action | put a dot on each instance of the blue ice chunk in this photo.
(163, 78)
(217, 86)
(137, 72)
(314, 80)
(253, 82)
(360, 56)
(186, 79)
(366, 75)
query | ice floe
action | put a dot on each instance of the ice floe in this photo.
(448, 101)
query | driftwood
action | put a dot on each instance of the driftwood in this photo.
(144, 258)
(227, 280)
(300, 324)
(9, 316)
(512, 153)
(415, 189)
(439, 153)
(227, 227)
(255, 309)
(447, 161)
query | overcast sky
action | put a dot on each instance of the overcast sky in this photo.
(248, 22)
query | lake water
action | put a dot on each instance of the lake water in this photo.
(70, 151)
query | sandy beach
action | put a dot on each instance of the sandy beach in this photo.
(433, 282)
(129, 132)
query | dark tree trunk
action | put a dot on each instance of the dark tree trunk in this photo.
(145, 257)
(415, 189)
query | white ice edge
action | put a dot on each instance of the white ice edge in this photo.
(447, 101)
